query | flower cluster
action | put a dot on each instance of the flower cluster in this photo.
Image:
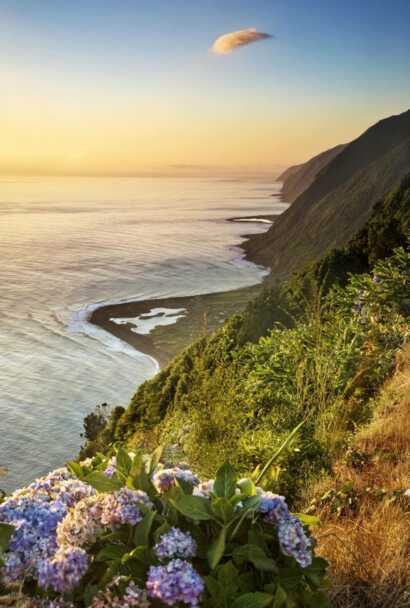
(292, 538)
(164, 479)
(69, 538)
(175, 543)
(114, 597)
(64, 571)
(36, 511)
(175, 582)
(93, 515)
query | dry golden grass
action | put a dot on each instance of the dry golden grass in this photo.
(368, 546)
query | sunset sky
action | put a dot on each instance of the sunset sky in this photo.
(121, 87)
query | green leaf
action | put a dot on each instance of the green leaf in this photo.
(256, 555)
(124, 462)
(225, 481)
(194, 507)
(253, 600)
(110, 553)
(154, 459)
(307, 520)
(75, 468)
(280, 598)
(102, 483)
(222, 509)
(142, 530)
(217, 549)
(228, 577)
(6, 532)
(278, 452)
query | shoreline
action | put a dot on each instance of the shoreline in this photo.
(203, 313)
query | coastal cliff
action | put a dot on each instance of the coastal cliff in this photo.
(338, 202)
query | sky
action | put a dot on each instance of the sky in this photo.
(92, 87)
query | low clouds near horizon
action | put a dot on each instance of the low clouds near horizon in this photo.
(227, 43)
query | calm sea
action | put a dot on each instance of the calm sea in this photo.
(67, 245)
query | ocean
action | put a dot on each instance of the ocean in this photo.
(68, 245)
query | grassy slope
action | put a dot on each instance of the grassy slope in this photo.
(365, 531)
(234, 395)
(339, 201)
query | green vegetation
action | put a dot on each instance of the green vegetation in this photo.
(316, 350)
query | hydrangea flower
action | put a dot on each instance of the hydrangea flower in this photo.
(91, 516)
(294, 542)
(175, 543)
(122, 507)
(113, 597)
(64, 571)
(273, 506)
(36, 511)
(175, 582)
(292, 538)
(164, 479)
(204, 489)
(111, 468)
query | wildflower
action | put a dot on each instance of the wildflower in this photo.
(164, 479)
(175, 582)
(64, 571)
(175, 543)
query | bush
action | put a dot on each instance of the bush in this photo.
(126, 531)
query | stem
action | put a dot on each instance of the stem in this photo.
(279, 451)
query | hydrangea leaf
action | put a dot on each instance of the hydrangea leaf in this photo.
(253, 600)
(102, 483)
(225, 481)
(217, 549)
(193, 507)
(6, 532)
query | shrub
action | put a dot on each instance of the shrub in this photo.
(125, 531)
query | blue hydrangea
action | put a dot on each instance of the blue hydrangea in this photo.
(175, 582)
(175, 543)
(164, 479)
(294, 542)
(64, 571)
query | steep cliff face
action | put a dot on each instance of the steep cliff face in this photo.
(297, 179)
(339, 201)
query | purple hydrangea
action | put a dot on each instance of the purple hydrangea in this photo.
(114, 597)
(273, 506)
(175, 543)
(294, 542)
(64, 571)
(164, 479)
(122, 507)
(292, 538)
(204, 489)
(36, 511)
(175, 582)
(111, 468)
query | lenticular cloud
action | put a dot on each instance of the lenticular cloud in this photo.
(229, 42)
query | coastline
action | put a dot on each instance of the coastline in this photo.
(201, 314)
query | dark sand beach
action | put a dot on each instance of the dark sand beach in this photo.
(195, 315)
(202, 313)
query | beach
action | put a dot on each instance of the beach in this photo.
(162, 327)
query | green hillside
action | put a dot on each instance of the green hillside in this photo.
(317, 350)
